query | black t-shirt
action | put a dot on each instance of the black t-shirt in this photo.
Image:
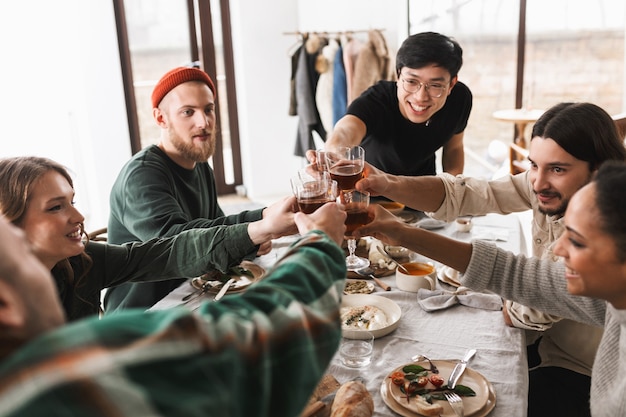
(397, 145)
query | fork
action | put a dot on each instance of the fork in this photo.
(455, 402)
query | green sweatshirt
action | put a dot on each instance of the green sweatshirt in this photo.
(155, 197)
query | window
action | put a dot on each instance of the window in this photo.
(157, 35)
(572, 51)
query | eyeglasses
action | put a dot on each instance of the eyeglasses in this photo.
(435, 90)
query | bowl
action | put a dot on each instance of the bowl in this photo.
(463, 225)
(391, 310)
(420, 275)
(392, 206)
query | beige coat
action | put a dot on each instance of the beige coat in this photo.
(373, 63)
(565, 343)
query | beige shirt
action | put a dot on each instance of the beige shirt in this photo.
(565, 343)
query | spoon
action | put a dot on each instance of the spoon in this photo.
(368, 272)
(389, 258)
(419, 358)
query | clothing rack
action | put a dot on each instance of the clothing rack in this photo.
(332, 33)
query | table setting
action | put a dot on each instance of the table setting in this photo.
(406, 320)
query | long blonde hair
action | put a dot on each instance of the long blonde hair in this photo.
(18, 176)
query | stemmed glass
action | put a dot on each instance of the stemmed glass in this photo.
(313, 189)
(355, 203)
(345, 165)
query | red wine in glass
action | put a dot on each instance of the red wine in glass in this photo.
(357, 217)
(346, 174)
(309, 203)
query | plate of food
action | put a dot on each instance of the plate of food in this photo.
(391, 206)
(449, 276)
(426, 390)
(362, 313)
(245, 274)
(358, 286)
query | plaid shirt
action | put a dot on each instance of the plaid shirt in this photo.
(260, 353)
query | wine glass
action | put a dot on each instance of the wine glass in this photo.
(313, 189)
(355, 203)
(345, 165)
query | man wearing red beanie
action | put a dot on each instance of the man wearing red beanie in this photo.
(170, 187)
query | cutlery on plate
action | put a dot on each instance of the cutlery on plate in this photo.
(420, 358)
(192, 296)
(224, 288)
(368, 272)
(456, 402)
(460, 368)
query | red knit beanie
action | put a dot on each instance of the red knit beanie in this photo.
(178, 76)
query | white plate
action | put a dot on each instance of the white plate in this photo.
(449, 276)
(431, 224)
(389, 307)
(479, 406)
(242, 282)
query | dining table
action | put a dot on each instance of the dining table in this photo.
(440, 335)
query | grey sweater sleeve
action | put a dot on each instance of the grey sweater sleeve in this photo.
(530, 281)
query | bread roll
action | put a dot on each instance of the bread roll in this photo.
(352, 400)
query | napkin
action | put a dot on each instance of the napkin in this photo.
(490, 233)
(433, 300)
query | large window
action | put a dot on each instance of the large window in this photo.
(568, 51)
(157, 35)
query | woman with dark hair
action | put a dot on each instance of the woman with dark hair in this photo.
(37, 195)
(589, 286)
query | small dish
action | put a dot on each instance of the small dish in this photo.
(358, 286)
(463, 225)
(392, 206)
(397, 252)
(391, 310)
(449, 276)
(431, 224)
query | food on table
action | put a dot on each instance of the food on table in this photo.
(358, 287)
(365, 317)
(352, 400)
(420, 387)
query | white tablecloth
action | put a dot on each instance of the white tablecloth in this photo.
(444, 334)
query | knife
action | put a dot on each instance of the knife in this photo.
(224, 288)
(459, 368)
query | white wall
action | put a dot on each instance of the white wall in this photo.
(264, 68)
(62, 93)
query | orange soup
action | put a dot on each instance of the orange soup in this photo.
(419, 268)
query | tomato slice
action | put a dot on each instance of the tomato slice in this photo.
(436, 380)
(397, 378)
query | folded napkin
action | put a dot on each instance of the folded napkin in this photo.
(490, 233)
(433, 300)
